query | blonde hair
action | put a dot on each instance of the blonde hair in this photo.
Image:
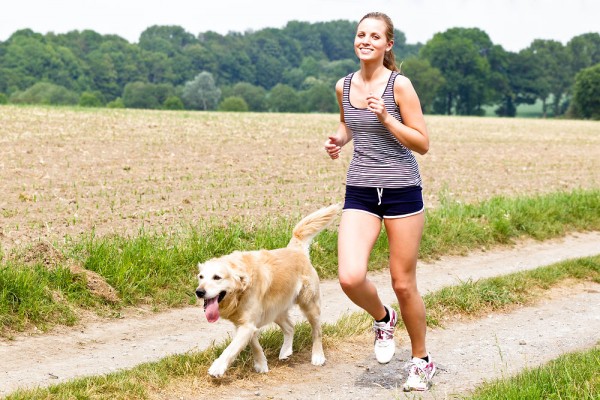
(389, 60)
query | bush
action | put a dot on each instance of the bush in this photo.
(45, 93)
(116, 103)
(3, 98)
(89, 99)
(173, 103)
(146, 95)
(233, 103)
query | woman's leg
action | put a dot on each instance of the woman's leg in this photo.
(404, 235)
(357, 234)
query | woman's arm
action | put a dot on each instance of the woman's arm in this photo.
(412, 131)
(343, 135)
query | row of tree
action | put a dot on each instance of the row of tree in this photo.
(292, 69)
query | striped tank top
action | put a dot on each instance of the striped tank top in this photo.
(379, 159)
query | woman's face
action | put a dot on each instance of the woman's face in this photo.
(370, 42)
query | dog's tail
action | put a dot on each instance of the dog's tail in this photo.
(311, 225)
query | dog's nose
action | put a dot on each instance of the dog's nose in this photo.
(200, 293)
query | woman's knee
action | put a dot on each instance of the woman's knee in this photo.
(404, 289)
(349, 281)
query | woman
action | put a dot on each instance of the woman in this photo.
(381, 112)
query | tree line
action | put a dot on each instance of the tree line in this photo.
(293, 69)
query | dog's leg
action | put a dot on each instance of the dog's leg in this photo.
(242, 336)
(260, 361)
(312, 311)
(287, 327)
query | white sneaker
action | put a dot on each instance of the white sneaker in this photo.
(385, 347)
(420, 373)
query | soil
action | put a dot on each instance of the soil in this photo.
(467, 352)
(68, 173)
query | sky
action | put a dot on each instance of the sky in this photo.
(513, 24)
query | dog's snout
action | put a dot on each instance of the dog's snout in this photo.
(200, 293)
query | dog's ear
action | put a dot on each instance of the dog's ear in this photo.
(241, 278)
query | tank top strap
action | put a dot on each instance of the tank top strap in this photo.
(346, 91)
(389, 89)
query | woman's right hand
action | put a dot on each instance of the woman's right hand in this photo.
(333, 147)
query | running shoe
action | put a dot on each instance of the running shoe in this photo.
(385, 347)
(420, 374)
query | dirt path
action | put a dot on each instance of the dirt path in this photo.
(499, 344)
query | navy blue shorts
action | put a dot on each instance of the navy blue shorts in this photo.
(383, 202)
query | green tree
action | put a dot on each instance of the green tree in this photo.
(283, 98)
(233, 103)
(202, 93)
(29, 58)
(167, 39)
(319, 97)
(146, 95)
(337, 38)
(308, 36)
(461, 55)
(586, 93)
(426, 80)
(555, 66)
(523, 82)
(584, 51)
(254, 96)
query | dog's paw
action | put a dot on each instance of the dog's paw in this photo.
(217, 369)
(285, 353)
(261, 368)
(318, 359)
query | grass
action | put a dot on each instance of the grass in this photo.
(570, 377)
(153, 269)
(481, 297)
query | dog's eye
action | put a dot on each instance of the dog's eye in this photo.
(216, 278)
(200, 277)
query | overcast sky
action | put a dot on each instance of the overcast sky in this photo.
(514, 24)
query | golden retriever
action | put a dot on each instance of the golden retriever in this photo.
(255, 288)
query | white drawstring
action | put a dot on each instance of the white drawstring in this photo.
(380, 195)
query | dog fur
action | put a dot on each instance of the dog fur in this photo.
(255, 288)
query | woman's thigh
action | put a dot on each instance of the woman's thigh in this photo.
(404, 237)
(357, 234)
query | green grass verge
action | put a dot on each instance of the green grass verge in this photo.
(470, 298)
(570, 377)
(159, 270)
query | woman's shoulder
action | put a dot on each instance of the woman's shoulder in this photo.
(401, 80)
(339, 85)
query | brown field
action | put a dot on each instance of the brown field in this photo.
(67, 172)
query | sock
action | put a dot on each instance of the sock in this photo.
(387, 316)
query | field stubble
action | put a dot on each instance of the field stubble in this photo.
(69, 172)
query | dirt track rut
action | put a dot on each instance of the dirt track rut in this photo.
(106, 346)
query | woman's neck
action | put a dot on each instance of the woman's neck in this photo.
(372, 73)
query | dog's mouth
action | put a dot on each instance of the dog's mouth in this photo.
(211, 307)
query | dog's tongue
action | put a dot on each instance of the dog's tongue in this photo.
(211, 309)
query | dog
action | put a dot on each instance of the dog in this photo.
(255, 288)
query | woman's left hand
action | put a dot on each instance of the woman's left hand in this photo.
(376, 105)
